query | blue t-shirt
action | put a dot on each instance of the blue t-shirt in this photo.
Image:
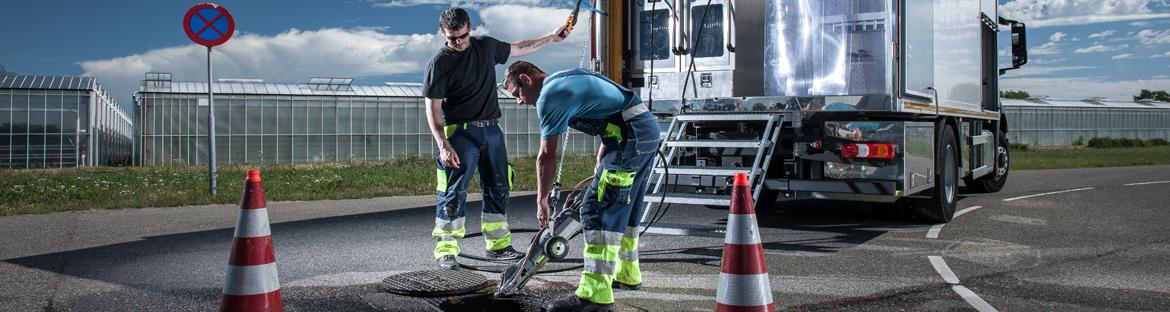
(572, 97)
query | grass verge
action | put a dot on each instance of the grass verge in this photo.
(1090, 157)
(52, 190)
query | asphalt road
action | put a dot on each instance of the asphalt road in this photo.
(1054, 240)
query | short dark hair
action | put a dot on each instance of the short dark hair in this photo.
(517, 68)
(454, 19)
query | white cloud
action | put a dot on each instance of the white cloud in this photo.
(1140, 24)
(1079, 88)
(1123, 56)
(1149, 36)
(1044, 61)
(1044, 49)
(1032, 71)
(1056, 37)
(1102, 34)
(1101, 48)
(296, 55)
(473, 4)
(514, 22)
(1044, 13)
(1163, 55)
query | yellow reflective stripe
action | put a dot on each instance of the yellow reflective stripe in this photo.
(496, 234)
(613, 131)
(615, 178)
(441, 233)
(511, 177)
(441, 177)
(596, 287)
(628, 273)
(629, 243)
(447, 242)
(601, 252)
(498, 243)
(450, 129)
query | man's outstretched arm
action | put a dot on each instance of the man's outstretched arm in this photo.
(523, 47)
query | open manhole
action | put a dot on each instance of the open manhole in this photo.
(435, 283)
(459, 291)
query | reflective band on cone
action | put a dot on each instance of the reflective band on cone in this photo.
(252, 280)
(743, 281)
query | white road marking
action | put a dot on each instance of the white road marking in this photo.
(934, 230)
(1049, 193)
(943, 270)
(973, 299)
(1145, 183)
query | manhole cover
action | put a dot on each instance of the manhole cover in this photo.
(435, 283)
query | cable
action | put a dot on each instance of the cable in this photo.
(691, 68)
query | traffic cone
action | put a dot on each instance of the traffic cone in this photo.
(252, 282)
(743, 280)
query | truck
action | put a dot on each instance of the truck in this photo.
(881, 101)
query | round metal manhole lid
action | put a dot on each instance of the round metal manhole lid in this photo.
(435, 283)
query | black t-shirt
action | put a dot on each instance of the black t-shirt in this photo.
(467, 79)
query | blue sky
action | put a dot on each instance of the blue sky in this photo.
(1080, 48)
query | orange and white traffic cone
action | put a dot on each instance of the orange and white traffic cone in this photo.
(252, 282)
(743, 280)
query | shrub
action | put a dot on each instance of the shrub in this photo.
(1125, 142)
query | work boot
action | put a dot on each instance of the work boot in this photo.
(448, 263)
(507, 253)
(624, 286)
(572, 303)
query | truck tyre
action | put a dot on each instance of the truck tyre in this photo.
(940, 207)
(994, 181)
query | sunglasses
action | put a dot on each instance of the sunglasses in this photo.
(463, 36)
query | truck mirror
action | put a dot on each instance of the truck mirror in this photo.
(1019, 44)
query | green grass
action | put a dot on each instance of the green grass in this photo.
(1092, 157)
(52, 190)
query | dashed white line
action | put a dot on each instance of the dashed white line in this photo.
(972, 299)
(937, 228)
(1049, 193)
(1146, 183)
(943, 270)
(968, 209)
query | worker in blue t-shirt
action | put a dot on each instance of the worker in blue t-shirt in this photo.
(595, 105)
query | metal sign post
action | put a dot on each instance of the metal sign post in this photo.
(209, 24)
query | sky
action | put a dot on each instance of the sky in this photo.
(1079, 48)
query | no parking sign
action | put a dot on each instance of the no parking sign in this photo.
(209, 24)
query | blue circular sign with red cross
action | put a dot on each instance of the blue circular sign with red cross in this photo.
(209, 24)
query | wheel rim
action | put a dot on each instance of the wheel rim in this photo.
(1001, 162)
(949, 175)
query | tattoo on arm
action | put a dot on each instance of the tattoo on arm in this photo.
(532, 44)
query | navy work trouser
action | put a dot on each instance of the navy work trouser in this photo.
(482, 148)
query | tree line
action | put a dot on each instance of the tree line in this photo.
(1144, 94)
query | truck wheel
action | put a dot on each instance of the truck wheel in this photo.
(940, 207)
(993, 182)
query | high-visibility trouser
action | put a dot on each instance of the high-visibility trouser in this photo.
(611, 215)
(479, 148)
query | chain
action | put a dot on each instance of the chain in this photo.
(585, 44)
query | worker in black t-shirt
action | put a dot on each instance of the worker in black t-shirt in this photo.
(462, 111)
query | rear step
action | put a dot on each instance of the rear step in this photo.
(706, 171)
(716, 143)
(690, 199)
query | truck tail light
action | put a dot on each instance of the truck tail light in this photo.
(868, 150)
